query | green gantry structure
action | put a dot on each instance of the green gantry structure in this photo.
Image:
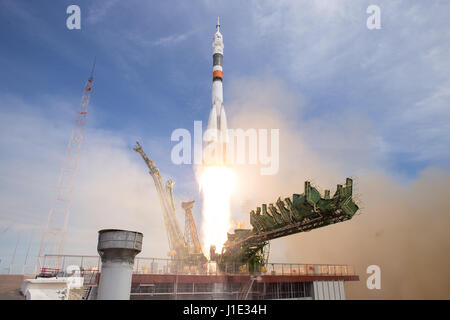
(304, 212)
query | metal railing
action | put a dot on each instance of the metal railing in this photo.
(92, 265)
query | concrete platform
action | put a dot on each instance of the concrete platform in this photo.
(10, 286)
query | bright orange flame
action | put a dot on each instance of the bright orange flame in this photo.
(217, 184)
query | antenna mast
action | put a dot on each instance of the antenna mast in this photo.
(54, 234)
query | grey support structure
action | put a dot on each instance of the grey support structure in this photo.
(117, 249)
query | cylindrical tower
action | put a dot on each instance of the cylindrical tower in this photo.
(117, 249)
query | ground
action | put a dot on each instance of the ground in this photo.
(10, 286)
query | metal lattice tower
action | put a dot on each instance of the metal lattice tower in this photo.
(190, 230)
(177, 244)
(55, 231)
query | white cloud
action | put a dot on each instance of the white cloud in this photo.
(402, 70)
(112, 185)
(172, 39)
(402, 227)
(99, 10)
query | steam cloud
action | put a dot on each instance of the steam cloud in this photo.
(402, 227)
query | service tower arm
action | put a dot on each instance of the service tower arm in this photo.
(177, 244)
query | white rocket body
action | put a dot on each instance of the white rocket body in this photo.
(217, 131)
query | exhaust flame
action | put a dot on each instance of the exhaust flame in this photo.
(217, 184)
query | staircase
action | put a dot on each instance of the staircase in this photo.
(246, 290)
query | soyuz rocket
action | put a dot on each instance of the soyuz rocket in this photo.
(217, 132)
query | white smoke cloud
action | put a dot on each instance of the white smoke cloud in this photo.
(402, 227)
(112, 187)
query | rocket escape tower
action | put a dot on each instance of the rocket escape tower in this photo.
(54, 234)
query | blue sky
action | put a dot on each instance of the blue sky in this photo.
(386, 91)
(153, 67)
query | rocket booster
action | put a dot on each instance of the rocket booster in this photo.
(217, 124)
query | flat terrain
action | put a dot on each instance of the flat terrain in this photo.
(10, 286)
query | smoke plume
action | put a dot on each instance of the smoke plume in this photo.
(401, 227)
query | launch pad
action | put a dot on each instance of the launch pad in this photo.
(155, 279)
